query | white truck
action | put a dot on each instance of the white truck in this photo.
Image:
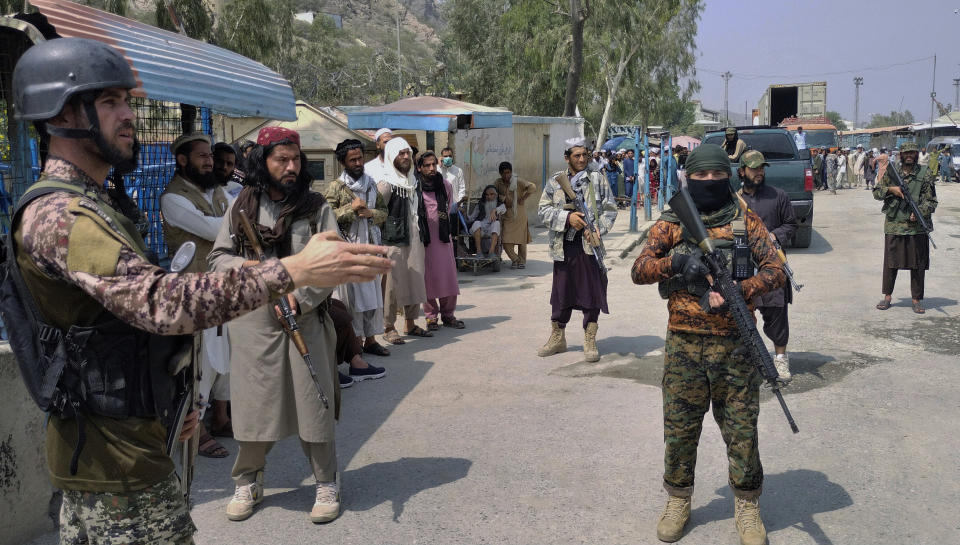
(802, 100)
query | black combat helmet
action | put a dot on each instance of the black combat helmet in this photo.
(51, 72)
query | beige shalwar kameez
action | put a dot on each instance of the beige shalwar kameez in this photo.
(272, 393)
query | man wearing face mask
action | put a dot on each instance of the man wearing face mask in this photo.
(773, 206)
(701, 366)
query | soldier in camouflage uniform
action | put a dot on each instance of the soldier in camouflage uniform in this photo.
(906, 245)
(700, 366)
(84, 264)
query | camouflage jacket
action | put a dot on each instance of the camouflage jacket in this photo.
(655, 265)
(57, 235)
(921, 183)
(553, 211)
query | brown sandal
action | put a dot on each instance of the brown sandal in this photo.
(883, 304)
(918, 308)
(393, 337)
(418, 331)
(211, 448)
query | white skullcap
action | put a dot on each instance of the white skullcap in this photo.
(654, 150)
(576, 141)
(380, 133)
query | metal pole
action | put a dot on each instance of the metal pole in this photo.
(933, 92)
(663, 153)
(636, 181)
(647, 210)
(956, 101)
(726, 94)
(857, 82)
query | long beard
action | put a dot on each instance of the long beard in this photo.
(204, 180)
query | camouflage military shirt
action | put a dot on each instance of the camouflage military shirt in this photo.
(655, 265)
(554, 209)
(921, 184)
(56, 238)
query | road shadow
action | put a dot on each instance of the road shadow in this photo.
(369, 486)
(818, 245)
(400, 480)
(935, 304)
(789, 500)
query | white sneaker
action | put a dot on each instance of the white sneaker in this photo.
(326, 507)
(245, 497)
(782, 363)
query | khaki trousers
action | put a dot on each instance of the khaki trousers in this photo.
(410, 312)
(252, 457)
(518, 256)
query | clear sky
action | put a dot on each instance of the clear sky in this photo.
(831, 41)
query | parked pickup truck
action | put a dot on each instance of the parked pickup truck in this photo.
(790, 170)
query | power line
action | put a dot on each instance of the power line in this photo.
(821, 74)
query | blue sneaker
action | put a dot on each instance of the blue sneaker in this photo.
(346, 381)
(370, 372)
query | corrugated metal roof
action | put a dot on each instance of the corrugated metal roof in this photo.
(430, 114)
(175, 68)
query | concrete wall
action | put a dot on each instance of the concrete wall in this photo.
(25, 489)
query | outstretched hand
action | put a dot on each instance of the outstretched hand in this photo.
(327, 261)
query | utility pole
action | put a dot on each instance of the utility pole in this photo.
(956, 101)
(857, 82)
(726, 94)
(933, 92)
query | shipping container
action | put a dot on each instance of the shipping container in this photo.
(802, 100)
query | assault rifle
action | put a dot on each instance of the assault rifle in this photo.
(578, 205)
(907, 203)
(286, 313)
(683, 206)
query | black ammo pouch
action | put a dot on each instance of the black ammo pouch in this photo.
(110, 369)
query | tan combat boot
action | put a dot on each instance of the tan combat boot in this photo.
(674, 519)
(749, 526)
(590, 351)
(556, 343)
(245, 497)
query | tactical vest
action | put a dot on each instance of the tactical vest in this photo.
(105, 367)
(688, 246)
(176, 236)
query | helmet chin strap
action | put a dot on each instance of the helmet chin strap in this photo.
(92, 132)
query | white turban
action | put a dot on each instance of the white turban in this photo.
(394, 176)
(576, 141)
(380, 133)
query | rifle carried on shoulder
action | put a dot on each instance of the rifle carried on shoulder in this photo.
(287, 317)
(579, 206)
(907, 203)
(683, 206)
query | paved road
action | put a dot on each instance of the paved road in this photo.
(471, 438)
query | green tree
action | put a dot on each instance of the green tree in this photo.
(196, 19)
(652, 45)
(836, 120)
(892, 120)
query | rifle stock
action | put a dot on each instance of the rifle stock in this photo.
(685, 209)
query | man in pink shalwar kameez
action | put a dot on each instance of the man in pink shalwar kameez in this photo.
(441, 268)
